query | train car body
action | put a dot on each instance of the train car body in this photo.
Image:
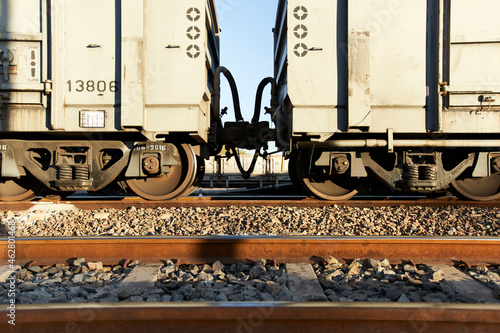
(405, 90)
(96, 89)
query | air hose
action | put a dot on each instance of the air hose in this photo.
(245, 173)
(258, 98)
(237, 110)
(234, 92)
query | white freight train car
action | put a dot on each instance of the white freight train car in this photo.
(407, 91)
(100, 91)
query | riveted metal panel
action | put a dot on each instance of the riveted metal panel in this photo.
(387, 65)
(133, 60)
(356, 65)
(21, 17)
(134, 65)
(87, 64)
(22, 65)
(175, 61)
(472, 99)
(316, 64)
(169, 54)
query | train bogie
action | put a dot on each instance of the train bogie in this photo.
(96, 91)
(407, 91)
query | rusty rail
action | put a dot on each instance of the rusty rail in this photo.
(255, 317)
(231, 249)
(86, 204)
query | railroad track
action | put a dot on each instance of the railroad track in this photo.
(264, 316)
(231, 249)
(248, 201)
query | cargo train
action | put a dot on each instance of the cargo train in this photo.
(102, 93)
(404, 91)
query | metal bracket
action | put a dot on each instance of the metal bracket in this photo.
(444, 88)
(485, 99)
(8, 165)
(356, 167)
(390, 178)
(164, 152)
(47, 87)
(390, 140)
(482, 167)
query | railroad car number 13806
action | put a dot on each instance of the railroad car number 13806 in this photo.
(92, 86)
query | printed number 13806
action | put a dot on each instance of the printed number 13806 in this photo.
(92, 86)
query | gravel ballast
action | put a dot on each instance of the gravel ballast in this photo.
(328, 221)
(175, 283)
(378, 281)
(361, 280)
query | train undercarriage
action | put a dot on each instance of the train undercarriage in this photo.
(152, 170)
(339, 174)
(164, 171)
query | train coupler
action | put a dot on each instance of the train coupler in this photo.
(244, 135)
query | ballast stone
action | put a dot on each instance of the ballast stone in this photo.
(6, 272)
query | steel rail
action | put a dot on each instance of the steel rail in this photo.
(231, 249)
(249, 201)
(254, 317)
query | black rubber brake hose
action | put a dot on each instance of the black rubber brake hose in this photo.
(234, 92)
(258, 97)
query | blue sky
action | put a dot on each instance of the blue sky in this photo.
(246, 49)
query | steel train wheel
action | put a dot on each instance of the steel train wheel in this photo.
(314, 180)
(200, 173)
(480, 189)
(294, 175)
(24, 189)
(172, 185)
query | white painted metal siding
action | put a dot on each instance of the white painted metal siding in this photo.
(404, 65)
(134, 64)
(175, 61)
(473, 72)
(387, 61)
(312, 40)
(22, 67)
(84, 62)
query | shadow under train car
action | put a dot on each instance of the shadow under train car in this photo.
(221, 172)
